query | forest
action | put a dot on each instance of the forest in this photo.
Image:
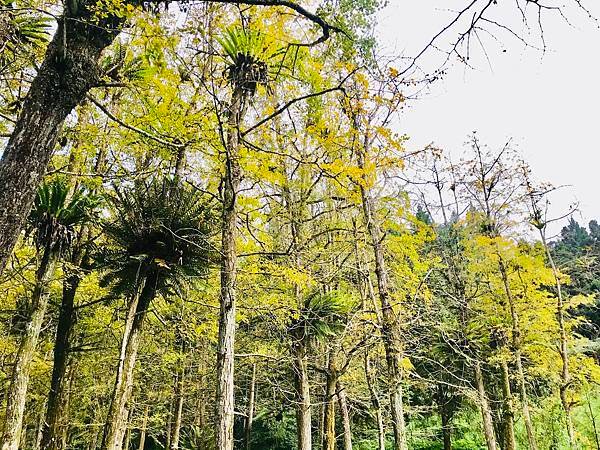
(214, 234)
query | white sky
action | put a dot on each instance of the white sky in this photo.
(548, 102)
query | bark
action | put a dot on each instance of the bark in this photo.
(143, 429)
(508, 409)
(250, 410)
(329, 406)
(486, 414)
(225, 348)
(66, 75)
(389, 325)
(17, 390)
(303, 404)
(343, 402)
(114, 428)
(58, 395)
(375, 402)
(178, 411)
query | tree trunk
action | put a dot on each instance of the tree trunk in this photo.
(303, 404)
(375, 402)
(507, 409)
(250, 409)
(329, 405)
(389, 326)
(66, 75)
(564, 351)
(178, 411)
(343, 401)
(17, 390)
(57, 397)
(445, 416)
(486, 414)
(225, 350)
(114, 427)
(143, 430)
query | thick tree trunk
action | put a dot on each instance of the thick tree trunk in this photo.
(17, 390)
(486, 414)
(225, 349)
(114, 428)
(64, 78)
(375, 402)
(250, 409)
(178, 411)
(390, 329)
(58, 395)
(343, 401)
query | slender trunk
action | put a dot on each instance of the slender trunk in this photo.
(343, 401)
(114, 428)
(389, 325)
(37, 442)
(564, 351)
(329, 405)
(68, 72)
(142, 443)
(486, 414)
(178, 411)
(57, 397)
(376, 404)
(516, 341)
(445, 416)
(507, 409)
(225, 349)
(303, 404)
(17, 390)
(593, 419)
(250, 410)
(128, 431)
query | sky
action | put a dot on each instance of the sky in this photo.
(547, 102)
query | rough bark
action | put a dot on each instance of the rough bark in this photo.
(345, 413)
(389, 326)
(57, 397)
(114, 428)
(17, 390)
(66, 75)
(250, 409)
(486, 414)
(225, 350)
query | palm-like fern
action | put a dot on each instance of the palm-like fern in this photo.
(55, 215)
(248, 53)
(322, 316)
(121, 65)
(20, 29)
(161, 229)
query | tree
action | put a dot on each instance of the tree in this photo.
(56, 214)
(158, 242)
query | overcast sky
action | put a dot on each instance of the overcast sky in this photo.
(547, 101)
